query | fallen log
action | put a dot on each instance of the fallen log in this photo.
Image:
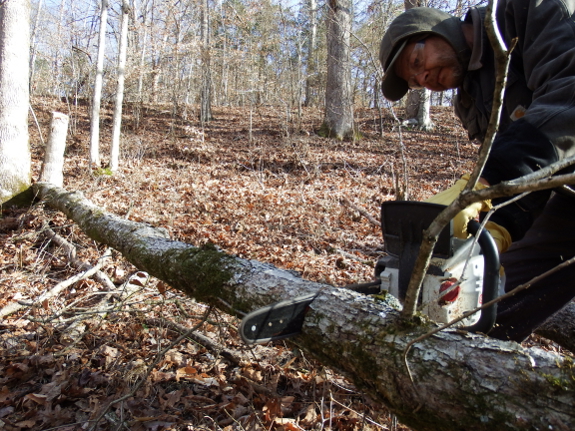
(461, 381)
(561, 327)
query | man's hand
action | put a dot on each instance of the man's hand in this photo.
(446, 197)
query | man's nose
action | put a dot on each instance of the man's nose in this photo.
(422, 78)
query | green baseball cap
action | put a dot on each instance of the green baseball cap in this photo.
(417, 21)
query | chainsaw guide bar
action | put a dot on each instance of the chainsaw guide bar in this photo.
(276, 321)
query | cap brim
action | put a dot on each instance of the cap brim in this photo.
(392, 86)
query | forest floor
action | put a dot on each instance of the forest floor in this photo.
(259, 184)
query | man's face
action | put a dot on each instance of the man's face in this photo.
(432, 64)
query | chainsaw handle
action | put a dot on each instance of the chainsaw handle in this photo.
(490, 278)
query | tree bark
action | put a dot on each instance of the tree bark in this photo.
(15, 159)
(97, 95)
(53, 166)
(311, 78)
(461, 381)
(418, 109)
(206, 90)
(338, 121)
(123, 49)
(561, 327)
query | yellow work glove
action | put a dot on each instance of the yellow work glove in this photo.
(499, 233)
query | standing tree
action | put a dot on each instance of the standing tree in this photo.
(338, 122)
(33, 46)
(206, 96)
(417, 106)
(311, 76)
(95, 120)
(15, 159)
(417, 109)
(123, 49)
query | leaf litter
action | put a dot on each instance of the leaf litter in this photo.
(102, 355)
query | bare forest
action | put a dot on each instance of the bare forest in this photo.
(221, 139)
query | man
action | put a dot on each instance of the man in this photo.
(428, 48)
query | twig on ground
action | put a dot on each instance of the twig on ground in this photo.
(199, 338)
(70, 251)
(188, 333)
(16, 306)
(346, 202)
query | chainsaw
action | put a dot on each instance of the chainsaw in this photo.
(462, 275)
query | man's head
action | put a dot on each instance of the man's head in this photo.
(423, 47)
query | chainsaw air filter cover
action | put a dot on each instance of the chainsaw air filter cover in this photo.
(403, 223)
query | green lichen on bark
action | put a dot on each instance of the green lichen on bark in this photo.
(200, 272)
(566, 380)
(24, 197)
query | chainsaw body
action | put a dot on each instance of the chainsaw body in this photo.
(462, 273)
(451, 286)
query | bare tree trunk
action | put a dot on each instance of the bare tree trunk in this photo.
(115, 153)
(97, 97)
(33, 45)
(417, 109)
(311, 79)
(206, 95)
(460, 381)
(142, 38)
(418, 102)
(561, 327)
(15, 159)
(338, 122)
(53, 166)
(157, 68)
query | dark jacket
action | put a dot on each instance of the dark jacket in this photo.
(538, 119)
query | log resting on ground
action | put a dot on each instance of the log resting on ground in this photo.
(561, 327)
(461, 381)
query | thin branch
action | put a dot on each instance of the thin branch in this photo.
(198, 338)
(70, 251)
(151, 367)
(502, 59)
(346, 202)
(16, 306)
(482, 307)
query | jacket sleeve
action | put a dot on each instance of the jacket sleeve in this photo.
(520, 150)
(545, 56)
(544, 62)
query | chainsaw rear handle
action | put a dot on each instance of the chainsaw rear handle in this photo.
(490, 278)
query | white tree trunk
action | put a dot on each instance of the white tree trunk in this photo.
(115, 153)
(53, 166)
(311, 79)
(15, 159)
(418, 102)
(33, 45)
(97, 97)
(460, 381)
(206, 90)
(338, 121)
(417, 110)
